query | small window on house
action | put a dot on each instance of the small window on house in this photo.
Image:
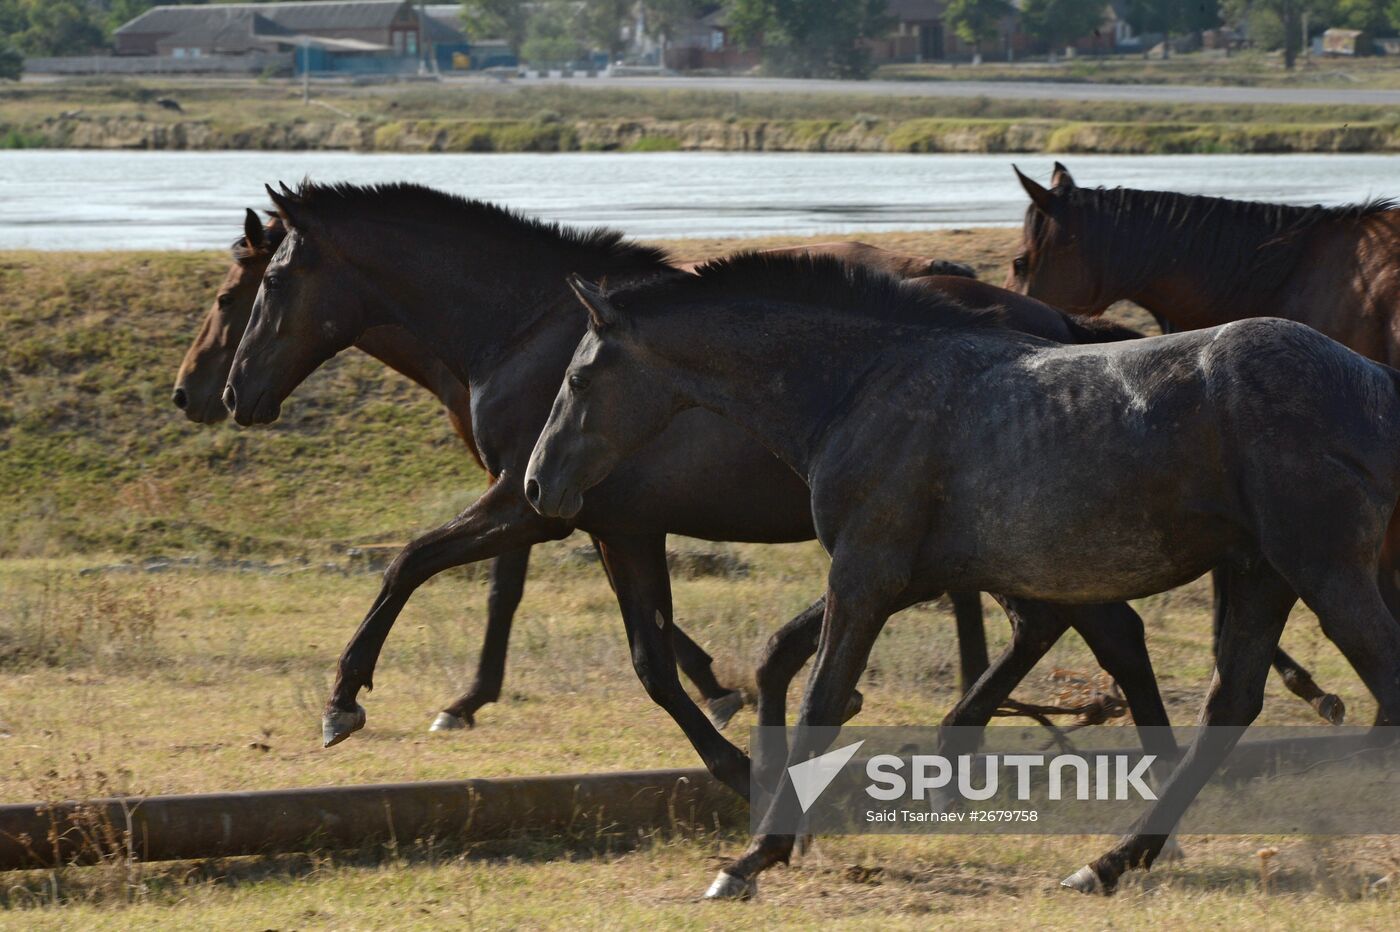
(412, 38)
(398, 42)
(177, 53)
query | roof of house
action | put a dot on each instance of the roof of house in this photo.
(443, 23)
(295, 17)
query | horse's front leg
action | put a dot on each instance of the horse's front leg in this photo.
(862, 593)
(637, 568)
(498, 522)
(507, 586)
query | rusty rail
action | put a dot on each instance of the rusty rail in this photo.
(165, 828)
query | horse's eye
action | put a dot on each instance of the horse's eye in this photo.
(1018, 265)
(577, 382)
(272, 280)
(225, 300)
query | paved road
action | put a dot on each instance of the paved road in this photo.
(1007, 90)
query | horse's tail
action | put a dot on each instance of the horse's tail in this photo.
(1098, 330)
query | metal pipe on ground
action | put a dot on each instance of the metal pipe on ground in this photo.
(166, 828)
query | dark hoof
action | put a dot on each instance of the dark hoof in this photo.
(446, 721)
(854, 706)
(729, 887)
(1331, 708)
(1085, 880)
(722, 708)
(337, 725)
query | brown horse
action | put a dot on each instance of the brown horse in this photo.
(204, 371)
(358, 258)
(1196, 262)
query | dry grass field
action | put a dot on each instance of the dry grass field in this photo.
(175, 597)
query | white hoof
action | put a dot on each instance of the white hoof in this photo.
(446, 721)
(722, 709)
(1083, 880)
(729, 887)
(337, 726)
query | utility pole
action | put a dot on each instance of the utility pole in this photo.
(305, 72)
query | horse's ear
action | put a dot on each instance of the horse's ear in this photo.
(252, 229)
(288, 206)
(601, 313)
(1038, 195)
(1060, 178)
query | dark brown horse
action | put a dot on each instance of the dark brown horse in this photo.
(486, 290)
(1261, 448)
(204, 372)
(1197, 262)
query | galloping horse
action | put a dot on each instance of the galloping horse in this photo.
(1260, 447)
(204, 372)
(485, 291)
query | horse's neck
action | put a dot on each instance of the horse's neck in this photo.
(1190, 296)
(397, 349)
(783, 389)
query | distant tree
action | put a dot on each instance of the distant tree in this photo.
(1060, 22)
(553, 34)
(1173, 17)
(601, 22)
(976, 21)
(1288, 13)
(11, 62)
(1370, 15)
(663, 16)
(59, 27)
(497, 19)
(811, 38)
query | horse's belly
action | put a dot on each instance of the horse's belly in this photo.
(1068, 558)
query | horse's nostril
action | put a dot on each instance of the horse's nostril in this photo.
(181, 400)
(230, 398)
(532, 491)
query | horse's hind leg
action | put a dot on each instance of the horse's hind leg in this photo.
(1259, 602)
(721, 702)
(1298, 680)
(972, 638)
(1355, 618)
(507, 586)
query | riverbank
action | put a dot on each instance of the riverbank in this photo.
(270, 116)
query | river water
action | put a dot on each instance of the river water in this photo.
(193, 200)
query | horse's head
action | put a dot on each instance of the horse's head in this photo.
(1052, 264)
(311, 305)
(609, 405)
(200, 382)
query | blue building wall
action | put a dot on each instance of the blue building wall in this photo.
(319, 60)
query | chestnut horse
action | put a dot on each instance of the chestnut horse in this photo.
(1262, 448)
(200, 381)
(357, 258)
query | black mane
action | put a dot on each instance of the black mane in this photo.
(598, 249)
(1242, 243)
(824, 281)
